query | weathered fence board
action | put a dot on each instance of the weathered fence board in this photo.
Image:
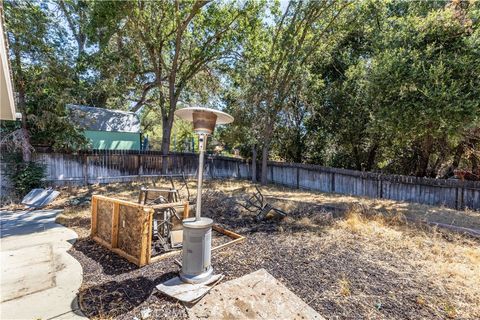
(121, 166)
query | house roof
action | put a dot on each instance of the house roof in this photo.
(100, 119)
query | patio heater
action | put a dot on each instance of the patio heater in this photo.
(197, 232)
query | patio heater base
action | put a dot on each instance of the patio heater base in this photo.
(197, 247)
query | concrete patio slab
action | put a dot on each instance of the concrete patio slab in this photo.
(26, 271)
(257, 295)
(39, 279)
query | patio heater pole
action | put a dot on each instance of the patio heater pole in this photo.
(202, 142)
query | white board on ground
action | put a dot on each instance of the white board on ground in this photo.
(188, 292)
(38, 198)
(257, 295)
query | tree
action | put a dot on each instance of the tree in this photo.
(426, 67)
(172, 43)
(400, 90)
(285, 51)
(41, 79)
(337, 126)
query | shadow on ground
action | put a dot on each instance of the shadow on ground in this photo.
(111, 263)
(16, 223)
(114, 298)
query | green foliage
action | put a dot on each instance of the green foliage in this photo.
(42, 74)
(402, 89)
(369, 85)
(185, 140)
(25, 176)
(169, 52)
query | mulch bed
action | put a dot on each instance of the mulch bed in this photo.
(300, 256)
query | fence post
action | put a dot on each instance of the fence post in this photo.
(381, 187)
(140, 164)
(333, 182)
(462, 198)
(85, 168)
(456, 199)
(298, 178)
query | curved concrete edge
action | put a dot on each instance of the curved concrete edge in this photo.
(39, 260)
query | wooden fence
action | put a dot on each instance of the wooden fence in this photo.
(450, 193)
(104, 166)
(118, 166)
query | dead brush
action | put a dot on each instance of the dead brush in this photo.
(344, 286)
(421, 274)
(361, 218)
(451, 263)
(219, 204)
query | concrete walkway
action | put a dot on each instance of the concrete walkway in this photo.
(38, 279)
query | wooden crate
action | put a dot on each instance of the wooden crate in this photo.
(126, 228)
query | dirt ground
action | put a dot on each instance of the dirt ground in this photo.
(347, 257)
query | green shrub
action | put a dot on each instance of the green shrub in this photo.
(26, 176)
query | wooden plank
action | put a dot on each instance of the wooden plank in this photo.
(226, 232)
(124, 202)
(161, 190)
(102, 242)
(115, 222)
(237, 238)
(164, 256)
(93, 221)
(125, 255)
(186, 210)
(145, 233)
(148, 249)
(228, 243)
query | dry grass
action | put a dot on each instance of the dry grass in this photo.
(289, 199)
(464, 218)
(449, 265)
(76, 218)
(344, 286)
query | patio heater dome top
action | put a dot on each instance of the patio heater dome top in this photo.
(203, 119)
(187, 114)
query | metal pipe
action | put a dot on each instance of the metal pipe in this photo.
(202, 142)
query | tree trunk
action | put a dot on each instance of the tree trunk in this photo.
(358, 161)
(166, 130)
(298, 147)
(264, 179)
(424, 159)
(475, 166)
(456, 161)
(424, 156)
(26, 146)
(20, 84)
(254, 163)
(371, 157)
